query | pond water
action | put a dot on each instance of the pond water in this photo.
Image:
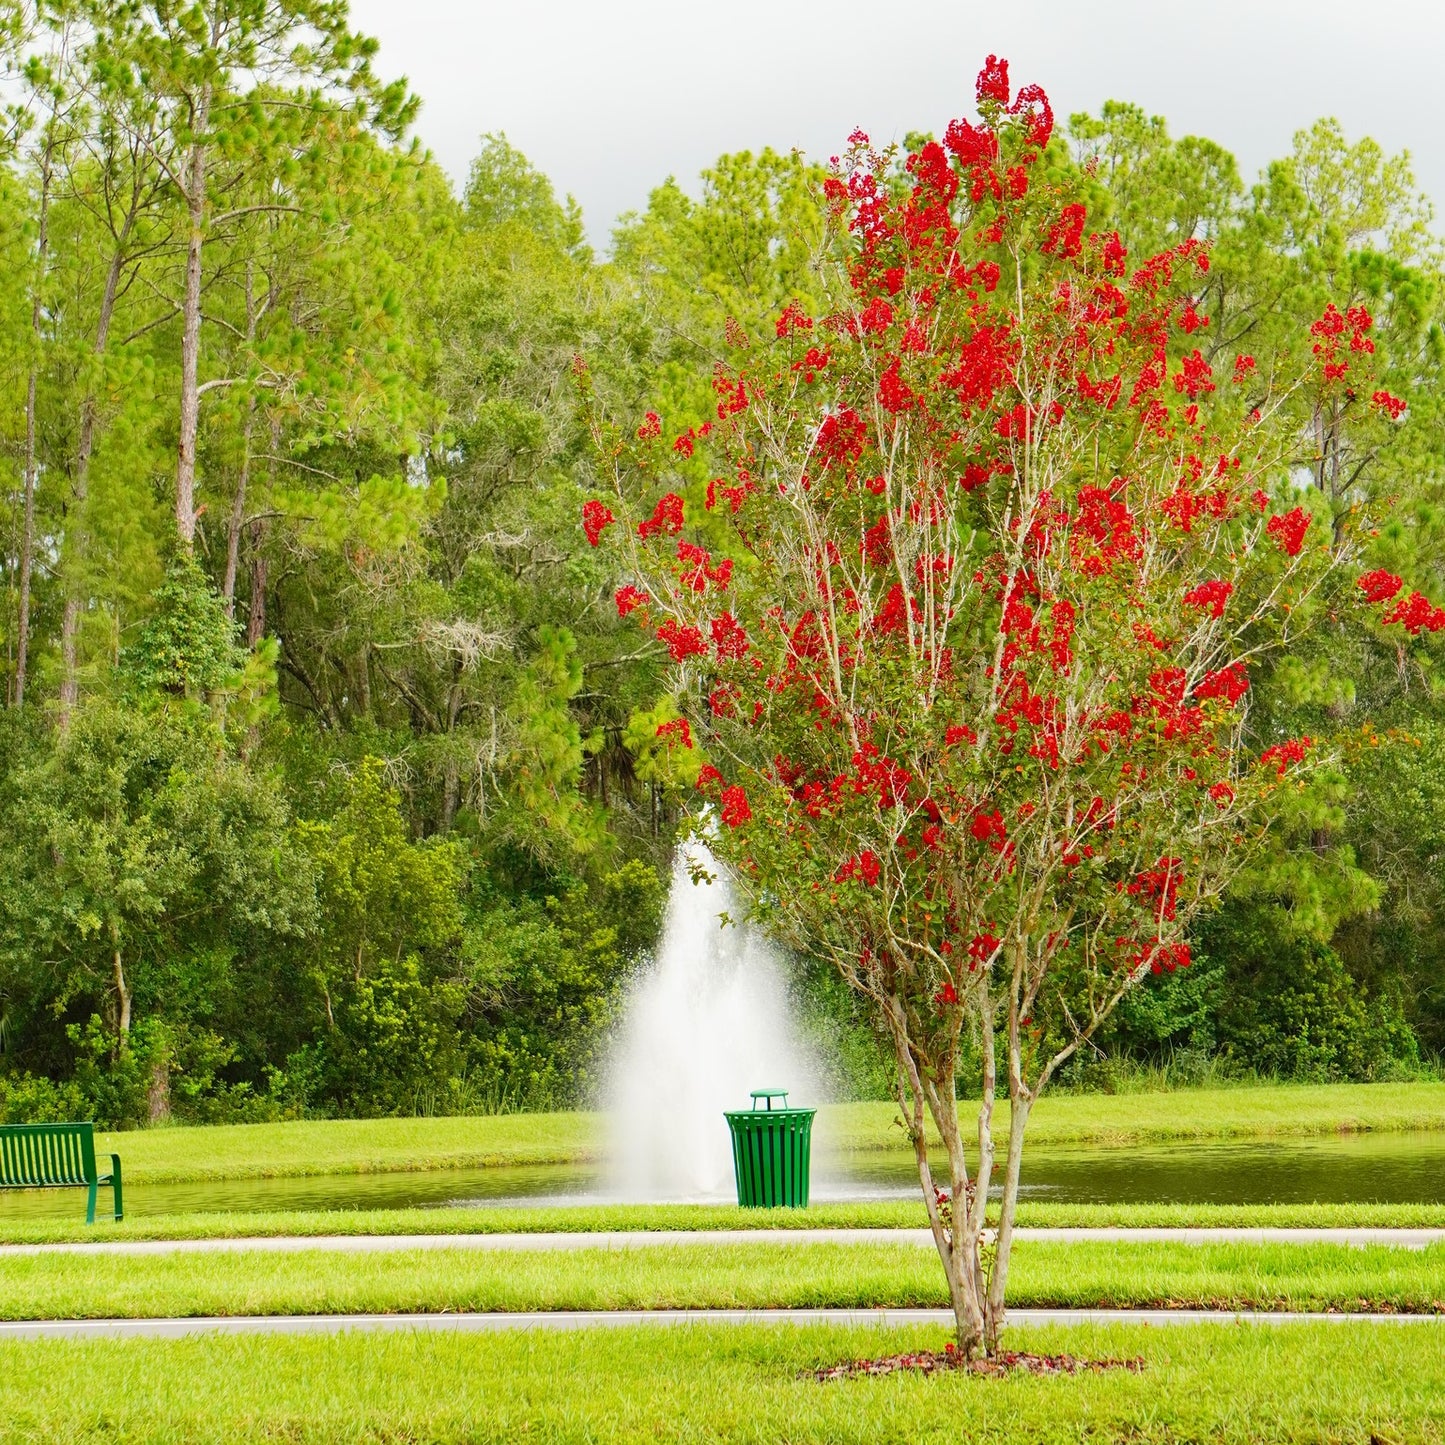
(1380, 1168)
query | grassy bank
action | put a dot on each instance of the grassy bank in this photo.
(1286, 1385)
(257, 1151)
(729, 1276)
(882, 1214)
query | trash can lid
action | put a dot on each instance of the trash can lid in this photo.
(769, 1095)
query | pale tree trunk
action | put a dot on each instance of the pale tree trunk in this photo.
(238, 504)
(238, 514)
(122, 989)
(975, 1260)
(191, 328)
(27, 522)
(89, 421)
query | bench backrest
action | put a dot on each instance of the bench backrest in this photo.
(46, 1154)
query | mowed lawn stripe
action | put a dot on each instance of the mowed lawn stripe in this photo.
(698, 1276)
(1286, 1385)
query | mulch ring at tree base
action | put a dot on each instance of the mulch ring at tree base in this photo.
(935, 1362)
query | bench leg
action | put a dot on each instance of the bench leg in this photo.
(115, 1185)
(90, 1202)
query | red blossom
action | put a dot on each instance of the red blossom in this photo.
(1222, 794)
(596, 518)
(666, 517)
(1243, 365)
(708, 777)
(1391, 404)
(1282, 755)
(679, 730)
(1289, 530)
(1160, 886)
(1066, 235)
(734, 806)
(1416, 614)
(893, 393)
(1195, 376)
(981, 948)
(629, 598)
(651, 427)
(840, 439)
(865, 868)
(946, 995)
(793, 318)
(729, 638)
(682, 641)
(1210, 597)
(1229, 683)
(992, 82)
(1379, 585)
(959, 734)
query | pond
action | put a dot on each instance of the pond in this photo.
(1407, 1168)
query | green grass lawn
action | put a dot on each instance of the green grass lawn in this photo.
(571, 1219)
(758, 1276)
(251, 1151)
(1251, 1385)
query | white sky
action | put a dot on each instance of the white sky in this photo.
(611, 97)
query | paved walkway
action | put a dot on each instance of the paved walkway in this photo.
(592, 1319)
(644, 1239)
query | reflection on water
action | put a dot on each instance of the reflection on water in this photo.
(1366, 1168)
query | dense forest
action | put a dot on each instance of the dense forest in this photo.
(330, 779)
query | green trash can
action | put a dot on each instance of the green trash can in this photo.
(772, 1151)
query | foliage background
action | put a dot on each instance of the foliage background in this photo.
(356, 809)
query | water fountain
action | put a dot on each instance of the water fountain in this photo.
(707, 1022)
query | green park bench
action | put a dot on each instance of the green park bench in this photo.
(56, 1156)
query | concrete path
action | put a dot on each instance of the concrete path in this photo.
(170, 1329)
(644, 1239)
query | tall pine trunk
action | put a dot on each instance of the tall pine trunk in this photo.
(191, 327)
(89, 422)
(27, 520)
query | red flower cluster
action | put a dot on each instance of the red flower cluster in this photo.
(683, 641)
(1379, 585)
(793, 318)
(628, 599)
(981, 948)
(1159, 885)
(1391, 404)
(734, 807)
(698, 570)
(1282, 755)
(1229, 683)
(1329, 331)
(679, 730)
(1416, 614)
(666, 517)
(651, 428)
(596, 518)
(729, 638)
(865, 867)
(1210, 597)
(1195, 376)
(1288, 530)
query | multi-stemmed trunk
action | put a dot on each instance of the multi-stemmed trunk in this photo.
(975, 1255)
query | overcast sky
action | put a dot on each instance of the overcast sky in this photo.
(611, 97)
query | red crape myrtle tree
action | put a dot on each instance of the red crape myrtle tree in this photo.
(962, 583)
